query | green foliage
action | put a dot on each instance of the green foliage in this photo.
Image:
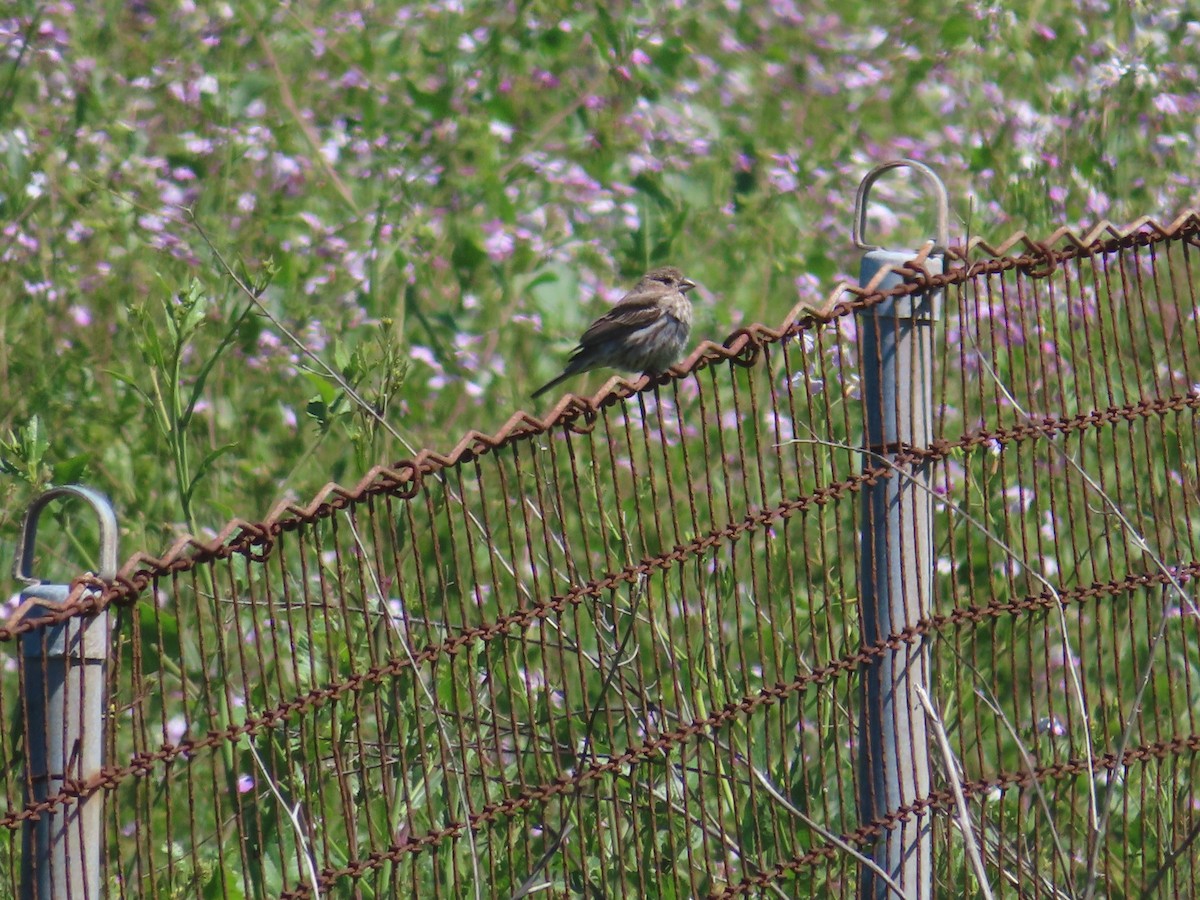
(250, 248)
(477, 178)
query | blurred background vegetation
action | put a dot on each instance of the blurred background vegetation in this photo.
(435, 198)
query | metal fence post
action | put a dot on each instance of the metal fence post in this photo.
(896, 344)
(64, 670)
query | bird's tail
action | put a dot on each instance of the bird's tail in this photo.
(549, 384)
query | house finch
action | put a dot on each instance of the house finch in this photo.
(645, 331)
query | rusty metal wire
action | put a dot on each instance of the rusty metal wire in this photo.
(613, 651)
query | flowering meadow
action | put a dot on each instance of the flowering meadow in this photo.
(434, 199)
(236, 237)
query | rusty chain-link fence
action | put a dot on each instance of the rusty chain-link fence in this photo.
(615, 652)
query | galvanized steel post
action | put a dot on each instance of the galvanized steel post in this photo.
(896, 345)
(64, 668)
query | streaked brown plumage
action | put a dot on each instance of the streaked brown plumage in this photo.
(645, 332)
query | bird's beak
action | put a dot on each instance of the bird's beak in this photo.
(686, 285)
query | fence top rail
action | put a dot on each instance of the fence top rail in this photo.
(1036, 258)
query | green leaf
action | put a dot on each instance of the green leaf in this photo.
(23, 452)
(325, 389)
(318, 410)
(128, 380)
(223, 885)
(205, 465)
(33, 441)
(69, 471)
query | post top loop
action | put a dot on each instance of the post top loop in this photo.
(935, 184)
(23, 564)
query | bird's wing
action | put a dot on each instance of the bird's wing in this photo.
(634, 312)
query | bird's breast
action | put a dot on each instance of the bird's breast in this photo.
(679, 308)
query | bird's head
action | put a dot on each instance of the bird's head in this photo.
(671, 277)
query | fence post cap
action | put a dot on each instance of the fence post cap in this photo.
(940, 199)
(23, 564)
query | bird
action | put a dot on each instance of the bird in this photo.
(646, 331)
